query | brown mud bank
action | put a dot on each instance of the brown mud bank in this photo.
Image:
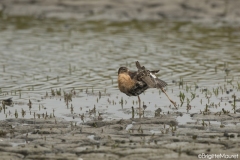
(125, 10)
(145, 138)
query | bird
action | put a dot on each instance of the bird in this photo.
(134, 83)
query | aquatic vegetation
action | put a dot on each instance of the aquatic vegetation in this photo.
(193, 95)
(234, 103)
(182, 97)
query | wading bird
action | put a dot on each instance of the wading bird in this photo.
(133, 83)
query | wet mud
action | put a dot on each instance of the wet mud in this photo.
(145, 138)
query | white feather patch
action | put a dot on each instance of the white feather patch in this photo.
(153, 75)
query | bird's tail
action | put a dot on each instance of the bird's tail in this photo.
(160, 83)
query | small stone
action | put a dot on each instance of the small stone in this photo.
(225, 134)
(194, 137)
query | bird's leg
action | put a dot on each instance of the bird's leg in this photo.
(174, 103)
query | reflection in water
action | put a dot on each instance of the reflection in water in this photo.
(37, 55)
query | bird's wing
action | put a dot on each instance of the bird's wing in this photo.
(132, 74)
(149, 77)
(160, 83)
(152, 81)
(139, 67)
(155, 71)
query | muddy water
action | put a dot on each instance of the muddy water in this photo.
(83, 57)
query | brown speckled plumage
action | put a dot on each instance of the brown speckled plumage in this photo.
(134, 83)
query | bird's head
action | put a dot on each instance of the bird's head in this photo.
(122, 70)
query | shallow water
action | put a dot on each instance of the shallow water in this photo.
(39, 55)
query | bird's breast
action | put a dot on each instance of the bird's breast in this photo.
(125, 83)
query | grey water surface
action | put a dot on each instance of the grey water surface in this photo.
(39, 55)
